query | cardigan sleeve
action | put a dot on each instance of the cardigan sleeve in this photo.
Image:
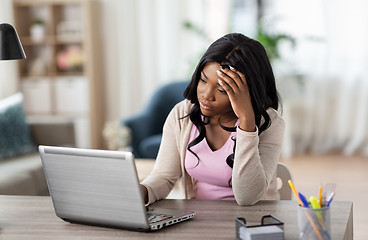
(167, 168)
(255, 161)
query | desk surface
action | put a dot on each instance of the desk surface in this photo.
(34, 218)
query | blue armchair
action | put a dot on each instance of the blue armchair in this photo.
(146, 127)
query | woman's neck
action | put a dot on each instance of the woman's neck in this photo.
(225, 120)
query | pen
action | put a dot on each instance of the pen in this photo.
(329, 199)
(303, 199)
(327, 190)
(306, 213)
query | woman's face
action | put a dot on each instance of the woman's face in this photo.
(212, 98)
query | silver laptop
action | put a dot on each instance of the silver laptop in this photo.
(101, 187)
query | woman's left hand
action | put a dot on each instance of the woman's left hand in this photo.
(236, 87)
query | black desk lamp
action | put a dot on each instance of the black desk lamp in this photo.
(10, 46)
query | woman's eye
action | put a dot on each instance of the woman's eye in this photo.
(201, 79)
(221, 90)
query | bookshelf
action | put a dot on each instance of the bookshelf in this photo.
(61, 76)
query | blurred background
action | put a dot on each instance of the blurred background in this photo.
(318, 50)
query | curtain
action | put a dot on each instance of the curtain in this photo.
(328, 111)
(154, 47)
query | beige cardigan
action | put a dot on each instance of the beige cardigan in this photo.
(254, 171)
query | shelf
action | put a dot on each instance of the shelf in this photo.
(59, 74)
(27, 41)
(61, 78)
(49, 40)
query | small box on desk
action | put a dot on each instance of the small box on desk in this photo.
(271, 228)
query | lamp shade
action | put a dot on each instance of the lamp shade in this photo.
(10, 46)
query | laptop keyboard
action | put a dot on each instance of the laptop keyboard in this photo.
(156, 217)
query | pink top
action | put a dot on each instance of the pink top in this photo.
(211, 171)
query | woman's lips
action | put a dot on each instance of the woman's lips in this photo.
(205, 106)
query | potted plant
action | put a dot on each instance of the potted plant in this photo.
(38, 30)
(271, 42)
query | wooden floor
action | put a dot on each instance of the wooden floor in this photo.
(350, 173)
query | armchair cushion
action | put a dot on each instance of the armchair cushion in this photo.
(150, 145)
(15, 137)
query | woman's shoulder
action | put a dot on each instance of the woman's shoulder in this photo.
(275, 131)
(179, 112)
(182, 108)
(275, 115)
(178, 120)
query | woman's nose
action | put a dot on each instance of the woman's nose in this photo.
(208, 94)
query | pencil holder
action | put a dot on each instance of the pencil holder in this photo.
(314, 223)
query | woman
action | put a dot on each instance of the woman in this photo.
(225, 138)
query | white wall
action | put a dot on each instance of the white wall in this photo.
(8, 69)
(110, 56)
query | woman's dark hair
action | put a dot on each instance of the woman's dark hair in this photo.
(250, 58)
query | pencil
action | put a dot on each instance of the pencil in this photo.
(320, 196)
(296, 193)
